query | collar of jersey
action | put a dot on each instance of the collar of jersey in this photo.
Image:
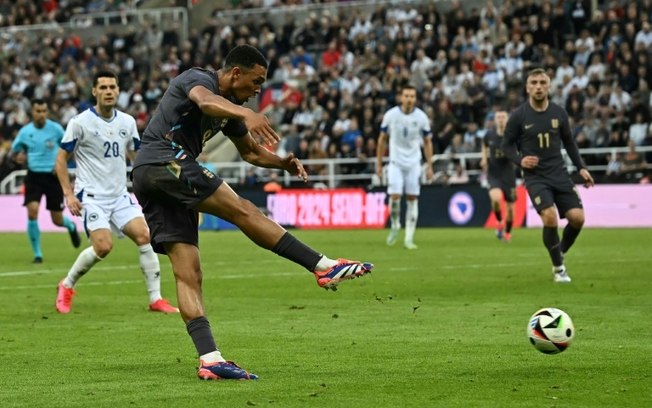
(115, 113)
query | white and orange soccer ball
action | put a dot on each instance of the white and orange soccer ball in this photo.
(550, 330)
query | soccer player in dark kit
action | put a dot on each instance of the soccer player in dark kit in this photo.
(173, 188)
(501, 175)
(534, 136)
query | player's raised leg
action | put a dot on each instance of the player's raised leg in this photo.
(226, 204)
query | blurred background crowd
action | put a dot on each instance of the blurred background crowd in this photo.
(334, 71)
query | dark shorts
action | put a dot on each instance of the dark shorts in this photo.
(508, 187)
(38, 185)
(168, 193)
(563, 195)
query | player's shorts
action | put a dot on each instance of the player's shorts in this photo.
(564, 195)
(508, 187)
(112, 213)
(402, 180)
(168, 193)
(39, 184)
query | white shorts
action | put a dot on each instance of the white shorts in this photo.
(403, 180)
(112, 213)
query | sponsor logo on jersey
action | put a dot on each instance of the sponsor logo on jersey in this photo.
(528, 126)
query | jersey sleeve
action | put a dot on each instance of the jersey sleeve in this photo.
(235, 128)
(72, 134)
(426, 131)
(384, 125)
(18, 145)
(134, 137)
(511, 139)
(196, 78)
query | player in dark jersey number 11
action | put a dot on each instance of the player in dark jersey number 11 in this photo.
(535, 134)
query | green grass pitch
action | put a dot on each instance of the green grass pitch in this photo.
(443, 326)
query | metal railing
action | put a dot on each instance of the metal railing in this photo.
(235, 172)
(85, 25)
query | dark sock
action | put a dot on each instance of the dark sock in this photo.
(200, 331)
(551, 241)
(296, 251)
(568, 237)
(508, 226)
(499, 215)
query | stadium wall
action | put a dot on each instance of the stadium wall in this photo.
(618, 205)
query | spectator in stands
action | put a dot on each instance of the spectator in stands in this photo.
(634, 166)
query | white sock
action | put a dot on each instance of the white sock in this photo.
(411, 216)
(325, 263)
(85, 261)
(212, 357)
(151, 270)
(395, 213)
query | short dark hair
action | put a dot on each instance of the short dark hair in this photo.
(38, 101)
(244, 56)
(408, 86)
(104, 74)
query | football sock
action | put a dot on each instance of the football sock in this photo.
(568, 237)
(411, 216)
(34, 234)
(85, 261)
(200, 332)
(395, 213)
(296, 251)
(151, 270)
(212, 357)
(551, 241)
(508, 226)
(67, 222)
(498, 213)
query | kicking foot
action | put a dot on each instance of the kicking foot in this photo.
(343, 270)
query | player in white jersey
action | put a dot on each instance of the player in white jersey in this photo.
(408, 130)
(100, 139)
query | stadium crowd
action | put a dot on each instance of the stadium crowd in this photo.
(334, 74)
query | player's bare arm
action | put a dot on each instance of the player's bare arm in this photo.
(61, 169)
(428, 152)
(252, 152)
(218, 106)
(380, 152)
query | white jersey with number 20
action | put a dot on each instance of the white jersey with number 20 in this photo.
(100, 148)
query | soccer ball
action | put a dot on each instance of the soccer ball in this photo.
(550, 330)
